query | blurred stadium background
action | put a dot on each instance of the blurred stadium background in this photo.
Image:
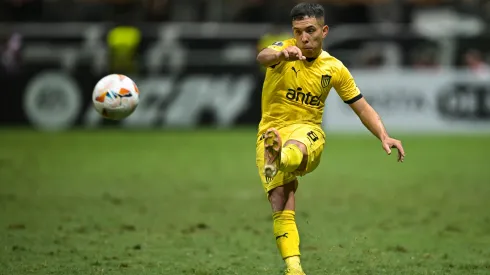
(173, 189)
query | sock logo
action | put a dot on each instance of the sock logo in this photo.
(285, 235)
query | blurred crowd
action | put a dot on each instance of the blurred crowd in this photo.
(338, 11)
(428, 15)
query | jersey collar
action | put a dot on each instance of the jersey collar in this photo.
(311, 59)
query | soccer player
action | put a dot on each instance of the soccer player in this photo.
(290, 138)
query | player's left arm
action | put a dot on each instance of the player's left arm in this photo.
(350, 93)
(371, 119)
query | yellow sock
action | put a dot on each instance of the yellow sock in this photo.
(291, 158)
(293, 262)
(287, 237)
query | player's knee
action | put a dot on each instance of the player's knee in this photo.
(282, 197)
(299, 144)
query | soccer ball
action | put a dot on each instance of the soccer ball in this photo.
(115, 96)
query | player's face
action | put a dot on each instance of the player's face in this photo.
(309, 33)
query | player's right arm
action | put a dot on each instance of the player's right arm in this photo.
(279, 52)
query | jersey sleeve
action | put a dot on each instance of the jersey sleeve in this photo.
(281, 45)
(345, 86)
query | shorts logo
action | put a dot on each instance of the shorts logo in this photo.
(326, 80)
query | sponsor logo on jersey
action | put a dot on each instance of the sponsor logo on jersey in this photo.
(299, 95)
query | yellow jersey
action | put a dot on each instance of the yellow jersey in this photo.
(268, 39)
(294, 92)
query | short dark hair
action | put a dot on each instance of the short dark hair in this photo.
(303, 10)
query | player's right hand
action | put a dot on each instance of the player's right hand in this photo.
(292, 53)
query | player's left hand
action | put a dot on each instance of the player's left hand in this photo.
(389, 143)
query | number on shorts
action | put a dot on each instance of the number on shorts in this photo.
(312, 136)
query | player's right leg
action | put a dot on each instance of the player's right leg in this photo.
(278, 166)
(280, 187)
(282, 199)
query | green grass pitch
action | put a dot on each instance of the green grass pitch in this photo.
(190, 202)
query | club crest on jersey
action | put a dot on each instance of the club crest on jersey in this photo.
(326, 80)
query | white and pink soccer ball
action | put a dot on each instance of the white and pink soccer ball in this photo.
(115, 96)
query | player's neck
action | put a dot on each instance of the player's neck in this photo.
(315, 56)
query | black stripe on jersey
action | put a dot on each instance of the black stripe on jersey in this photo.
(352, 100)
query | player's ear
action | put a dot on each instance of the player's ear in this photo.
(324, 31)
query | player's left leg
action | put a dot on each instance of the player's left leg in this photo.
(291, 157)
(299, 155)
